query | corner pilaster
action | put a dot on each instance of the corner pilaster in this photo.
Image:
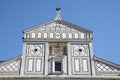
(69, 59)
(91, 59)
(46, 59)
(22, 69)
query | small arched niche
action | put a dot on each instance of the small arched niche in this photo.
(45, 35)
(70, 35)
(33, 35)
(76, 35)
(64, 35)
(39, 35)
(51, 35)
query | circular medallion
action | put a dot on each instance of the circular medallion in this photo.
(57, 35)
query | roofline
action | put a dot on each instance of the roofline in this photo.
(45, 23)
(105, 61)
(15, 58)
(71, 25)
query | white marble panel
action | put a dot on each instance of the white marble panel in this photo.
(77, 65)
(85, 65)
(30, 64)
(38, 64)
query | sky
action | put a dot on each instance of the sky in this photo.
(100, 16)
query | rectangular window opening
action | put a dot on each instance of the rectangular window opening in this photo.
(57, 66)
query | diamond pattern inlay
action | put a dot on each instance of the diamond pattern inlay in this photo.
(103, 67)
(10, 67)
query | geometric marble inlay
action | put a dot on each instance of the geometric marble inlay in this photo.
(35, 49)
(58, 50)
(103, 67)
(80, 50)
(10, 67)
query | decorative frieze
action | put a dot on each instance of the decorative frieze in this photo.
(56, 31)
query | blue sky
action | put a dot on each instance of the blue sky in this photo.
(100, 16)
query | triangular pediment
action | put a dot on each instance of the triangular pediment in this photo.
(61, 23)
(57, 29)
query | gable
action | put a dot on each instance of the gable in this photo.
(57, 29)
(68, 24)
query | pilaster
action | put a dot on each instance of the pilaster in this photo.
(46, 59)
(22, 67)
(69, 59)
(91, 59)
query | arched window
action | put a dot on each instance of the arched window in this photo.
(27, 35)
(88, 35)
(76, 35)
(70, 35)
(82, 35)
(51, 35)
(64, 35)
(39, 35)
(33, 35)
(45, 35)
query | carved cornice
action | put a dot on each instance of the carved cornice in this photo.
(56, 40)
